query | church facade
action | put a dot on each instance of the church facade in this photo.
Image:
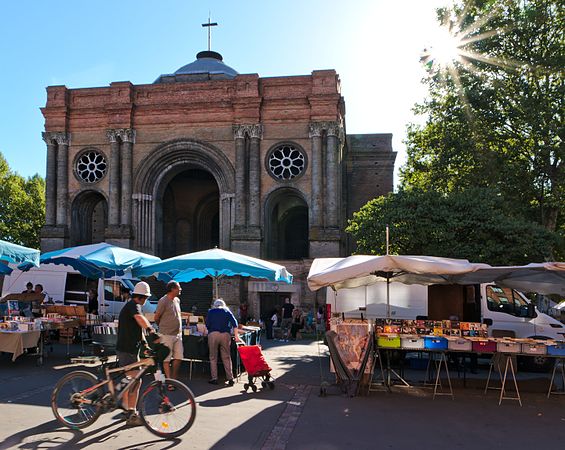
(208, 157)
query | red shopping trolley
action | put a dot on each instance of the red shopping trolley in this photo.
(255, 366)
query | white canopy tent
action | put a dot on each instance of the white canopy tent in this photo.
(363, 270)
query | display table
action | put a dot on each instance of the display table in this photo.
(16, 341)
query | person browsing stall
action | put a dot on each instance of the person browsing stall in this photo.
(131, 326)
(168, 317)
(220, 321)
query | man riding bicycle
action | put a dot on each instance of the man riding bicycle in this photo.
(131, 326)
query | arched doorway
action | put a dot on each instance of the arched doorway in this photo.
(286, 225)
(190, 209)
(89, 218)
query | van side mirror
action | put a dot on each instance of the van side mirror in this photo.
(531, 310)
(487, 322)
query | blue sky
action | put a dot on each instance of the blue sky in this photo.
(374, 45)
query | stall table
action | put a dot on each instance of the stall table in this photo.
(16, 341)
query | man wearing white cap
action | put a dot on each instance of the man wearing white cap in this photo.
(131, 325)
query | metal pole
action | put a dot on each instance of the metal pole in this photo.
(388, 296)
(387, 241)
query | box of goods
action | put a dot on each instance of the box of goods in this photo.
(556, 349)
(409, 327)
(459, 344)
(507, 346)
(534, 348)
(412, 342)
(392, 329)
(484, 346)
(464, 325)
(455, 324)
(438, 332)
(379, 326)
(455, 332)
(446, 324)
(388, 341)
(435, 343)
(25, 326)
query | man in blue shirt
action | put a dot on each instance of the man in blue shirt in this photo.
(220, 322)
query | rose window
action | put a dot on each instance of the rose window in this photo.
(286, 162)
(91, 166)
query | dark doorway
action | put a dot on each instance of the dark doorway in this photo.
(269, 301)
(89, 213)
(287, 226)
(190, 214)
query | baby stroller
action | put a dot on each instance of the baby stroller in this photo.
(255, 366)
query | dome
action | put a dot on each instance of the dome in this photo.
(209, 65)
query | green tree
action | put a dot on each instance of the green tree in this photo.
(494, 116)
(22, 206)
(475, 224)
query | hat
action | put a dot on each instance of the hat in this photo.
(219, 303)
(142, 288)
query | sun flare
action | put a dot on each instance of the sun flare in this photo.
(444, 49)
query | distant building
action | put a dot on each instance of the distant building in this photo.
(208, 157)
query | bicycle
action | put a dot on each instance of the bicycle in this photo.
(167, 407)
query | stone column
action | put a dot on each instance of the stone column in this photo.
(127, 137)
(50, 180)
(114, 179)
(62, 178)
(255, 133)
(239, 132)
(316, 202)
(332, 175)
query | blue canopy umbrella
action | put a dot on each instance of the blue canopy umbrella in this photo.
(14, 253)
(101, 260)
(215, 263)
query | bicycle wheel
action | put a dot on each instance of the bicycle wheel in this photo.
(66, 399)
(168, 408)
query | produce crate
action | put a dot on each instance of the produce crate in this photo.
(534, 348)
(388, 341)
(557, 349)
(412, 342)
(508, 347)
(484, 346)
(459, 344)
(435, 343)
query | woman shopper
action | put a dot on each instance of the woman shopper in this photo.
(220, 321)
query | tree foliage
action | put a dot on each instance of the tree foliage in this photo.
(495, 116)
(475, 224)
(22, 206)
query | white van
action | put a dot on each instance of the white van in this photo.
(506, 311)
(65, 286)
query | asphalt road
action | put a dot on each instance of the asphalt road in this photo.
(292, 416)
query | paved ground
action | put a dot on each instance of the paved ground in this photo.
(292, 416)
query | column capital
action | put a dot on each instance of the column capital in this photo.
(112, 135)
(127, 135)
(239, 131)
(315, 129)
(121, 135)
(256, 131)
(56, 137)
(333, 128)
(252, 130)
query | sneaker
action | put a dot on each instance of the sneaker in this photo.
(213, 381)
(134, 420)
(229, 383)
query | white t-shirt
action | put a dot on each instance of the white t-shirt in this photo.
(275, 320)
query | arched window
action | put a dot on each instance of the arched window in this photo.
(89, 218)
(286, 225)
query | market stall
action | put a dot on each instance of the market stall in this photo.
(440, 338)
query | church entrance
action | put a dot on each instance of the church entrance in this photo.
(190, 214)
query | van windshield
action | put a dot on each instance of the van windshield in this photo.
(506, 300)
